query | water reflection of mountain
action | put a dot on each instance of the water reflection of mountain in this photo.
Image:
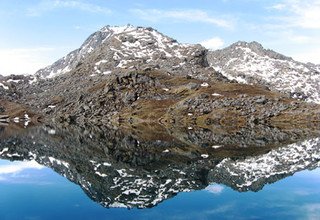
(146, 165)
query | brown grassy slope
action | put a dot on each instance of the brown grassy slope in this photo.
(13, 109)
(177, 90)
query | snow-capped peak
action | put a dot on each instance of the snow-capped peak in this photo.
(128, 47)
(251, 63)
(118, 29)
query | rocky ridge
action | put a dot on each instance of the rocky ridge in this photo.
(251, 63)
(155, 97)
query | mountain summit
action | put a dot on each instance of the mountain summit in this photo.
(114, 48)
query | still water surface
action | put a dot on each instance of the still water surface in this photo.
(48, 173)
(40, 193)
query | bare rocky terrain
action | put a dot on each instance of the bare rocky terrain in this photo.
(132, 75)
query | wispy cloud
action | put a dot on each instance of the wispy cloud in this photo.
(299, 13)
(46, 6)
(278, 6)
(309, 55)
(213, 43)
(27, 60)
(290, 35)
(189, 15)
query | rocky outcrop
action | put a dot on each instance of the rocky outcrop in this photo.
(251, 63)
(12, 87)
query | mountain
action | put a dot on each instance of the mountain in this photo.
(114, 49)
(127, 76)
(251, 63)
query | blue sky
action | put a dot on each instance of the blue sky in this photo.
(35, 33)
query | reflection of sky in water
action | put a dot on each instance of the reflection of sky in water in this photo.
(19, 172)
(30, 191)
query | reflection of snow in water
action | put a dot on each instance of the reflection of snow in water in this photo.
(282, 161)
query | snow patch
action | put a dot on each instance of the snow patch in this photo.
(204, 84)
(3, 86)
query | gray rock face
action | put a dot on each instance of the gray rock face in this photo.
(251, 63)
(128, 47)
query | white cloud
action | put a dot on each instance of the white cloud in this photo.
(18, 167)
(308, 55)
(46, 6)
(215, 189)
(190, 15)
(278, 6)
(299, 39)
(213, 43)
(291, 36)
(24, 60)
(300, 13)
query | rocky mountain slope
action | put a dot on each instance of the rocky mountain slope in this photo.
(132, 75)
(114, 49)
(8, 88)
(251, 63)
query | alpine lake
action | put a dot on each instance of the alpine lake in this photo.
(56, 172)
